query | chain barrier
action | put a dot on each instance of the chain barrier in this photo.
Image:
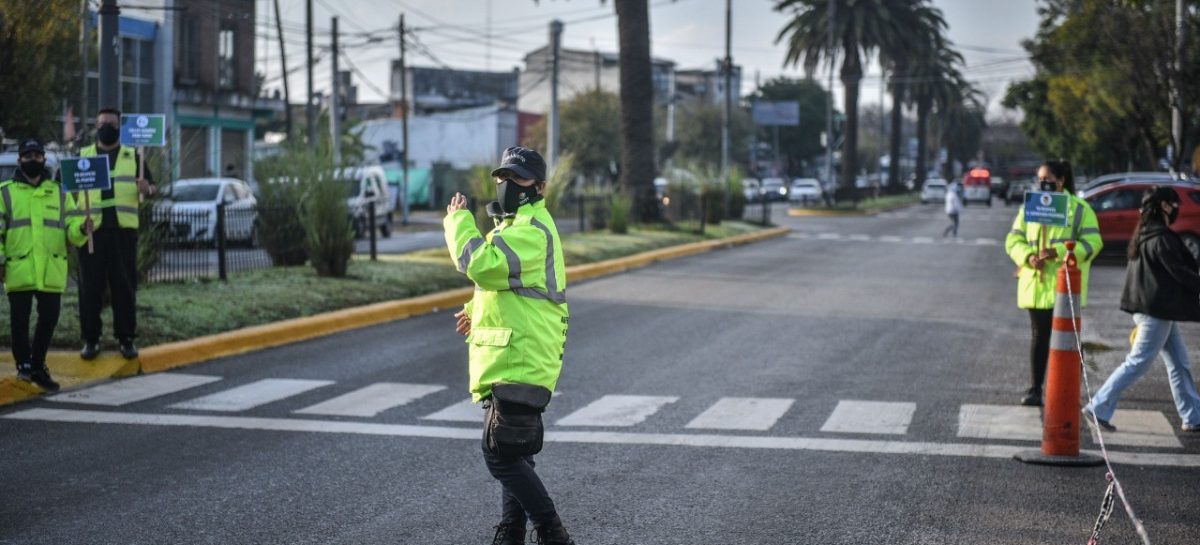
(1114, 483)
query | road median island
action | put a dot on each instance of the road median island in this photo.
(282, 306)
(866, 207)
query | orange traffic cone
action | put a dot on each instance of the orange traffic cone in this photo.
(1061, 417)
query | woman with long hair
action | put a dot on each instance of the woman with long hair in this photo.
(1162, 288)
(1038, 250)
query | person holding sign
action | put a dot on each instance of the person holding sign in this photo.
(37, 222)
(113, 264)
(1037, 247)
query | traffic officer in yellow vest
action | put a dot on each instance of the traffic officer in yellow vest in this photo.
(113, 265)
(36, 223)
(1038, 252)
(516, 328)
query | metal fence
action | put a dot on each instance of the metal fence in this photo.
(185, 243)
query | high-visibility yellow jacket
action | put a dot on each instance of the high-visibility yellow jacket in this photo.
(1036, 290)
(124, 185)
(36, 224)
(519, 311)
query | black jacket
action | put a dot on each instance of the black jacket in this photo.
(1163, 281)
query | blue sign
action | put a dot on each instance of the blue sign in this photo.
(139, 130)
(85, 173)
(1048, 208)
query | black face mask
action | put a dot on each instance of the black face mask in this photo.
(108, 134)
(33, 169)
(1049, 186)
(512, 196)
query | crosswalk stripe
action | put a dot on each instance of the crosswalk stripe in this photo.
(132, 390)
(1142, 429)
(617, 410)
(1000, 422)
(742, 413)
(880, 417)
(372, 400)
(922, 240)
(463, 411)
(252, 395)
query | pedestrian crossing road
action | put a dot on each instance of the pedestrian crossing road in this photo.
(1148, 431)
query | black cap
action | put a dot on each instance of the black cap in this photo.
(31, 144)
(523, 162)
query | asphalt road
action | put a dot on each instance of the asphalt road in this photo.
(852, 383)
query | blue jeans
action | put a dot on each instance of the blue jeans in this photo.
(1153, 336)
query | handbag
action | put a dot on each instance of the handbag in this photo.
(513, 422)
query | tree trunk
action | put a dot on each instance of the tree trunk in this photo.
(851, 76)
(923, 106)
(637, 109)
(897, 133)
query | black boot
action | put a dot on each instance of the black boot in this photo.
(552, 533)
(128, 350)
(509, 534)
(90, 350)
(1032, 398)
(37, 374)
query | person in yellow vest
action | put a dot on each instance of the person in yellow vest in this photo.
(37, 222)
(1038, 250)
(113, 264)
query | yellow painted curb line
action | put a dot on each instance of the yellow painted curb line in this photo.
(72, 372)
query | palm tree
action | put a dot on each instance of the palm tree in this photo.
(933, 80)
(927, 23)
(962, 123)
(858, 28)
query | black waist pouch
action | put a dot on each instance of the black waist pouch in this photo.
(513, 422)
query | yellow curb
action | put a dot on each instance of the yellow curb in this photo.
(72, 372)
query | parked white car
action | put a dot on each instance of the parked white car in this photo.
(368, 184)
(934, 191)
(751, 189)
(190, 209)
(805, 190)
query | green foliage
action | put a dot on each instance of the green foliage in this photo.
(328, 233)
(278, 223)
(590, 124)
(308, 183)
(39, 57)
(558, 186)
(482, 190)
(619, 209)
(698, 130)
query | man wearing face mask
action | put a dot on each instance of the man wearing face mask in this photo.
(113, 265)
(37, 221)
(516, 328)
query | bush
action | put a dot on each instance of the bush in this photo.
(278, 224)
(329, 235)
(619, 208)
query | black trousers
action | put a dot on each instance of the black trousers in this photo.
(521, 490)
(20, 304)
(113, 267)
(1040, 321)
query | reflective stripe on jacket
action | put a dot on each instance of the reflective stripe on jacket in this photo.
(36, 223)
(519, 311)
(124, 185)
(1037, 291)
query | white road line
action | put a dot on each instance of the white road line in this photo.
(134, 389)
(1000, 422)
(860, 237)
(890, 238)
(463, 411)
(870, 417)
(742, 413)
(829, 236)
(922, 240)
(1141, 429)
(616, 410)
(593, 437)
(252, 395)
(373, 399)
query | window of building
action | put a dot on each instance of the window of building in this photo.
(137, 74)
(189, 49)
(227, 58)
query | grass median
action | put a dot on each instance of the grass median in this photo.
(185, 310)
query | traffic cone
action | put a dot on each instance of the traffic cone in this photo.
(1061, 418)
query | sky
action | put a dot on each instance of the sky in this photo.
(496, 34)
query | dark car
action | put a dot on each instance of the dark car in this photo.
(1117, 205)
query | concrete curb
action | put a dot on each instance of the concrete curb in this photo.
(182, 353)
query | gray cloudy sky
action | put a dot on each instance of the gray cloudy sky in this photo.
(691, 32)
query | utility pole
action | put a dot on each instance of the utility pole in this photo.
(403, 126)
(670, 115)
(882, 129)
(335, 103)
(287, 96)
(109, 68)
(310, 113)
(727, 73)
(86, 66)
(556, 28)
(829, 105)
(1176, 107)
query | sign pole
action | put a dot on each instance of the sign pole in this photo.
(87, 212)
(141, 151)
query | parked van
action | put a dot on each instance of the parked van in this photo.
(368, 185)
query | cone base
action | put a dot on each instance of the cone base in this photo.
(1036, 457)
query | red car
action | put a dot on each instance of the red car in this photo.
(1117, 205)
